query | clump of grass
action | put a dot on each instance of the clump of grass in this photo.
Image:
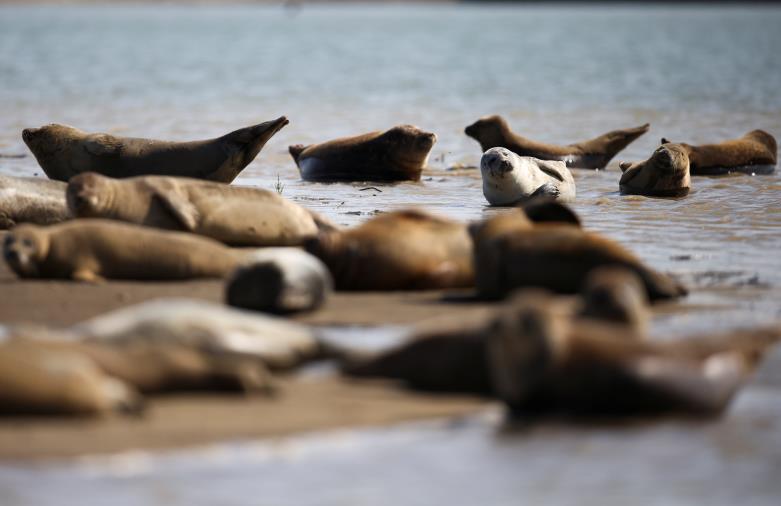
(278, 186)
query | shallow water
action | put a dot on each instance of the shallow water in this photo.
(559, 74)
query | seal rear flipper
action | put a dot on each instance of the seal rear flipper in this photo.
(323, 223)
(608, 145)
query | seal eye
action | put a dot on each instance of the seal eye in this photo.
(9, 240)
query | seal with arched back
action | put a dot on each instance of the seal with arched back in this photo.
(754, 153)
(596, 153)
(397, 154)
(63, 151)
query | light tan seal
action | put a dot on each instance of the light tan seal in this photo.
(511, 253)
(398, 154)
(400, 250)
(235, 215)
(754, 153)
(542, 363)
(63, 151)
(493, 131)
(41, 379)
(31, 200)
(92, 250)
(664, 174)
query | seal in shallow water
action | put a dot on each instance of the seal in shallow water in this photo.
(493, 131)
(509, 179)
(397, 154)
(92, 250)
(235, 215)
(63, 151)
(754, 153)
(664, 174)
(31, 200)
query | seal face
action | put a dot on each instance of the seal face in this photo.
(63, 151)
(31, 200)
(493, 131)
(400, 250)
(754, 153)
(664, 174)
(509, 179)
(397, 154)
(240, 216)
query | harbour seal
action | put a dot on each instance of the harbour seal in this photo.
(31, 200)
(542, 363)
(510, 252)
(615, 295)
(398, 154)
(493, 131)
(91, 250)
(754, 153)
(509, 179)
(37, 378)
(664, 174)
(239, 216)
(63, 151)
(400, 250)
(279, 280)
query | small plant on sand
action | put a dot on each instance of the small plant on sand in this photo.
(278, 186)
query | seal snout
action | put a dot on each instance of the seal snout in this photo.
(28, 134)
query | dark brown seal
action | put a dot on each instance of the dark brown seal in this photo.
(397, 154)
(401, 250)
(63, 151)
(493, 131)
(754, 153)
(664, 174)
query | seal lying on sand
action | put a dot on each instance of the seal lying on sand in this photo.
(511, 253)
(397, 154)
(665, 174)
(37, 378)
(63, 151)
(91, 250)
(541, 363)
(400, 250)
(754, 153)
(239, 216)
(279, 280)
(493, 131)
(509, 179)
(31, 200)
(615, 295)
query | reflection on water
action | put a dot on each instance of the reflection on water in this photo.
(558, 75)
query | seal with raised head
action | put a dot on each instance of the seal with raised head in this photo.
(664, 174)
(39, 378)
(398, 154)
(754, 153)
(31, 200)
(63, 151)
(92, 250)
(400, 250)
(509, 179)
(511, 252)
(493, 131)
(279, 280)
(235, 215)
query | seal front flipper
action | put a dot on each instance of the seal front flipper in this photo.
(172, 199)
(548, 190)
(87, 276)
(551, 169)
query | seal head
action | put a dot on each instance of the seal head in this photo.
(24, 248)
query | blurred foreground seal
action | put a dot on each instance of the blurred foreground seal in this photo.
(493, 131)
(397, 154)
(240, 216)
(509, 179)
(665, 174)
(754, 153)
(31, 200)
(63, 151)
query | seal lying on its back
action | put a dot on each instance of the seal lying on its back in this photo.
(31, 200)
(754, 153)
(509, 179)
(64, 151)
(91, 250)
(665, 174)
(493, 131)
(400, 250)
(397, 154)
(239, 216)
(511, 252)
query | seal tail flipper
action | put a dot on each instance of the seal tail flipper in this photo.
(661, 286)
(608, 145)
(295, 151)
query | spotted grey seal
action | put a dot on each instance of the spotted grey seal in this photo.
(31, 200)
(509, 179)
